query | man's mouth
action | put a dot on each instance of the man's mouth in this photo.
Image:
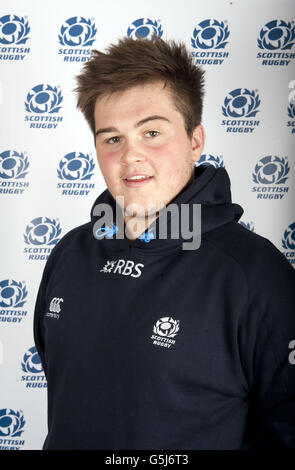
(136, 180)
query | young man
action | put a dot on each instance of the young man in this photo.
(145, 344)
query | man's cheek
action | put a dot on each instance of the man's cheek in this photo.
(107, 166)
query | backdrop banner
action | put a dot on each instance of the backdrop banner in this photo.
(49, 176)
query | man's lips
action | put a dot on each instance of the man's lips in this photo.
(136, 182)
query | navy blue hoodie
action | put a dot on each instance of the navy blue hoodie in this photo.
(149, 346)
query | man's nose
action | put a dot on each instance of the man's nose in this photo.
(132, 152)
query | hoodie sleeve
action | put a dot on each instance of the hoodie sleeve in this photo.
(40, 310)
(267, 336)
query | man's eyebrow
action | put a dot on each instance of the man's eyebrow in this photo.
(139, 123)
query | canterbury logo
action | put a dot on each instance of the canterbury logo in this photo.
(54, 304)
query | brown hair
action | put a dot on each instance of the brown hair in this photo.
(139, 61)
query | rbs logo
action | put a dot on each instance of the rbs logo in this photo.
(124, 267)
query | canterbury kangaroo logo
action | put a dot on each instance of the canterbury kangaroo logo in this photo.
(54, 304)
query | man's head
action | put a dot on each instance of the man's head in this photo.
(143, 100)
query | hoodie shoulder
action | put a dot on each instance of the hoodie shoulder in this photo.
(241, 242)
(267, 270)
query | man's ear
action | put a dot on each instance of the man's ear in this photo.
(198, 142)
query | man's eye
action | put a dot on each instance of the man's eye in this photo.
(113, 140)
(153, 133)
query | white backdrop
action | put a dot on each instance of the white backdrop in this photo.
(49, 177)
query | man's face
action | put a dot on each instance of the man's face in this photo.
(140, 132)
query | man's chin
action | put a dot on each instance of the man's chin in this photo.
(143, 210)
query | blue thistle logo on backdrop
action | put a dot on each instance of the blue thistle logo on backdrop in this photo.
(42, 231)
(76, 166)
(209, 40)
(12, 293)
(241, 103)
(11, 423)
(288, 241)
(247, 225)
(32, 367)
(210, 34)
(291, 114)
(291, 110)
(13, 165)
(43, 99)
(42, 103)
(207, 159)
(144, 28)
(269, 171)
(77, 32)
(277, 34)
(13, 30)
(31, 362)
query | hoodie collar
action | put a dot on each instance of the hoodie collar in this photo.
(210, 188)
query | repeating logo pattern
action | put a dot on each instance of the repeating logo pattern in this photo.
(13, 168)
(209, 41)
(291, 110)
(209, 38)
(210, 34)
(13, 296)
(12, 293)
(291, 114)
(75, 166)
(247, 225)
(271, 170)
(207, 159)
(241, 104)
(43, 102)
(13, 165)
(77, 32)
(42, 231)
(11, 422)
(76, 37)
(144, 28)
(288, 243)
(277, 34)
(41, 234)
(33, 372)
(13, 30)
(43, 99)
(31, 362)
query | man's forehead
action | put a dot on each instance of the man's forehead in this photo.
(137, 90)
